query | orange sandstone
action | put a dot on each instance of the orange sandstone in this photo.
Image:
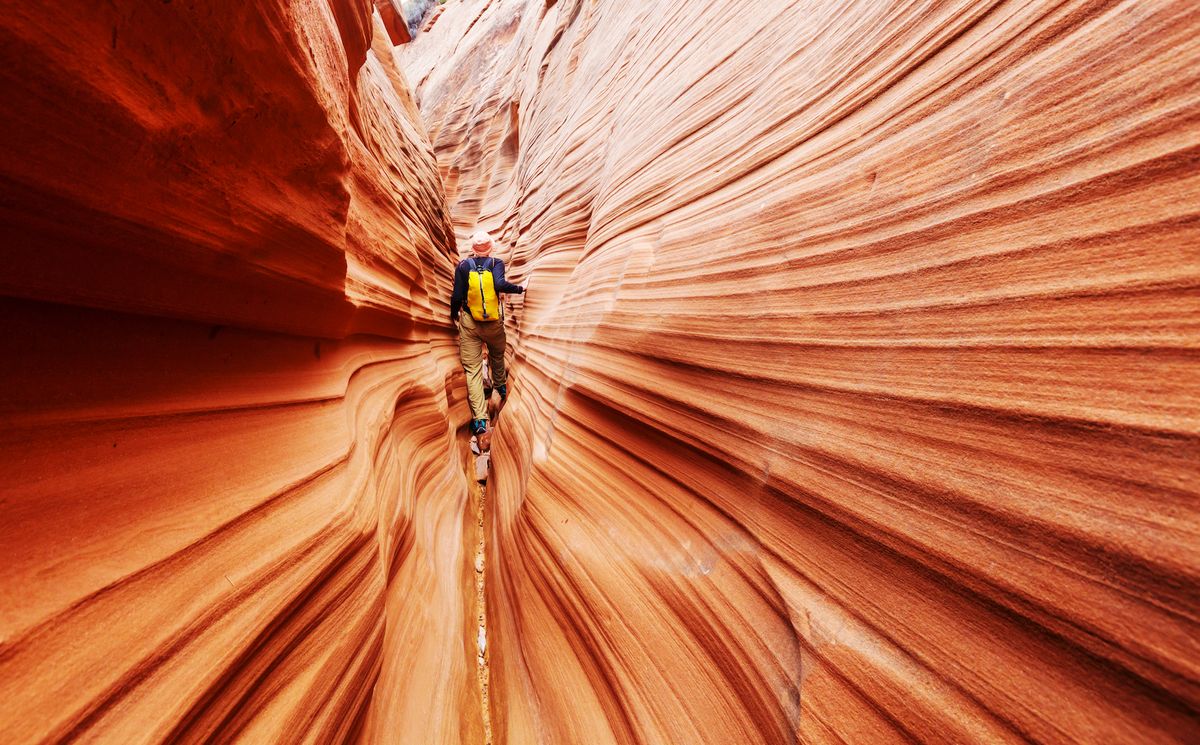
(857, 397)
(226, 510)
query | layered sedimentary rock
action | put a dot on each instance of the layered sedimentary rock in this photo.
(227, 397)
(856, 394)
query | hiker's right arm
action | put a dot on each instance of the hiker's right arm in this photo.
(502, 284)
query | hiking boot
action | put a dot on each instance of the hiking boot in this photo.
(503, 391)
(478, 426)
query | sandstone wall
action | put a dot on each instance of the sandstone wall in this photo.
(856, 391)
(227, 397)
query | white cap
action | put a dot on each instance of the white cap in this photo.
(481, 238)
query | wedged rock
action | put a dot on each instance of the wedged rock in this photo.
(860, 378)
(391, 12)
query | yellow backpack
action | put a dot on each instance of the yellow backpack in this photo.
(482, 300)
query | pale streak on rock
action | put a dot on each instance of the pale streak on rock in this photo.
(866, 333)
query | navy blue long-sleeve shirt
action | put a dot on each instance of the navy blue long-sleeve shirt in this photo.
(462, 273)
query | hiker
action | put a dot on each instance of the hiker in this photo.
(478, 282)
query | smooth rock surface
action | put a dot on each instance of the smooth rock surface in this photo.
(857, 395)
(227, 397)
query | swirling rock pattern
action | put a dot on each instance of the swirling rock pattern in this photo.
(226, 508)
(857, 394)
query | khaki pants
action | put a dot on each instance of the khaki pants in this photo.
(472, 335)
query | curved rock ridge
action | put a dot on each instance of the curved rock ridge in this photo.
(226, 507)
(856, 395)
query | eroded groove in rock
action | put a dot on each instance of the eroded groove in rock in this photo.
(479, 499)
(226, 507)
(856, 395)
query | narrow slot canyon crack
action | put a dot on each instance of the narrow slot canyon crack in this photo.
(480, 566)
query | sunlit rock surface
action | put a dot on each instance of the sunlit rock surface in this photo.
(856, 390)
(226, 506)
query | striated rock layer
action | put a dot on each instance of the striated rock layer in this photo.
(226, 508)
(856, 394)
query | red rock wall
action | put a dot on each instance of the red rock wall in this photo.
(227, 397)
(857, 394)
